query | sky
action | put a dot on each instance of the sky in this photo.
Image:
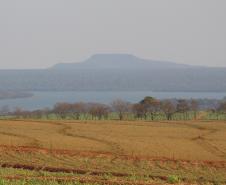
(41, 33)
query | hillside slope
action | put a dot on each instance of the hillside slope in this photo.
(116, 73)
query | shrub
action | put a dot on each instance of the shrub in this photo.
(2, 182)
(173, 179)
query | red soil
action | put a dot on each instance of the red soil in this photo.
(93, 154)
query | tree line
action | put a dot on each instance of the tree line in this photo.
(149, 108)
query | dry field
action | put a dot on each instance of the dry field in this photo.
(113, 152)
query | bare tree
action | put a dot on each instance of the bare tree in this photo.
(121, 107)
(78, 109)
(168, 108)
(139, 110)
(183, 107)
(37, 114)
(62, 109)
(17, 112)
(98, 110)
(194, 105)
(46, 112)
(222, 107)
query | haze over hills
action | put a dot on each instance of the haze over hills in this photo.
(119, 61)
(116, 72)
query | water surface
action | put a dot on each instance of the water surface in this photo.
(48, 99)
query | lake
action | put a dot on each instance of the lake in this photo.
(48, 99)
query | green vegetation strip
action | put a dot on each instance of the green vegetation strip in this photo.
(76, 180)
(75, 171)
(94, 174)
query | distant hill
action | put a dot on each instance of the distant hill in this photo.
(119, 61)
(116, 72)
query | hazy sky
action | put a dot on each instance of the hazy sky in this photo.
(40, 33)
